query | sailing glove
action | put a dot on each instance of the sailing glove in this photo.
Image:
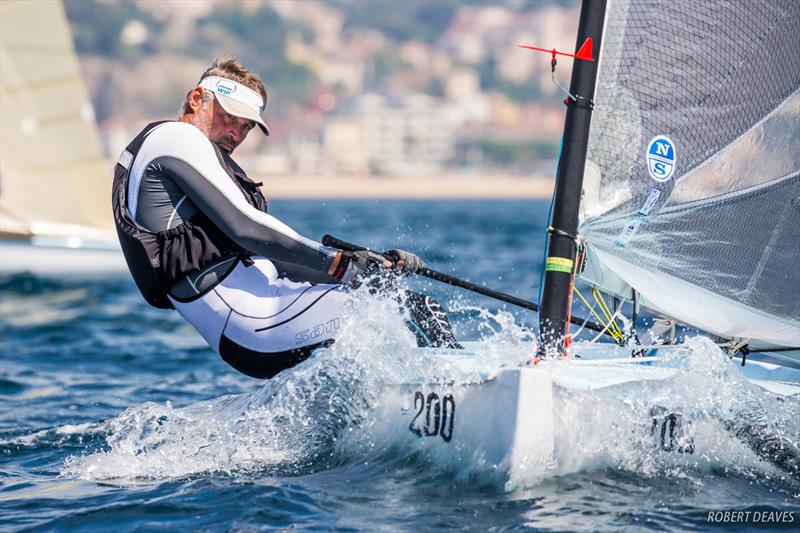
(347, 265)
(412, 261)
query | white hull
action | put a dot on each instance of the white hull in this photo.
(510, 423)
(487, 424)
(60, 257)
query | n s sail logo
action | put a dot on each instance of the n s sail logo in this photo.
(661, 158)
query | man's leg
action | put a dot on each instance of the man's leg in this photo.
(261, 322)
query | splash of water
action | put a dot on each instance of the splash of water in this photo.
(716, 408)
(294, 423)
(316, 415)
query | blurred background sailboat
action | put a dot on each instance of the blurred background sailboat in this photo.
(55, 182)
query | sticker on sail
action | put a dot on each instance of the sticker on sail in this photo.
(652, 198)
(661, 158)
(628, 231)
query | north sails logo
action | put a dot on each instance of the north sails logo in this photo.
(661, 158)
(226, 87)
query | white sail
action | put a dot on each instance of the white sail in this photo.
(692, 188)
(54, 179)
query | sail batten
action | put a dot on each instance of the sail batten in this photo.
(693, 168)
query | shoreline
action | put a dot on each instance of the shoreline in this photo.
(424, 188)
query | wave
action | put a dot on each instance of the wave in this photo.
(321, 415)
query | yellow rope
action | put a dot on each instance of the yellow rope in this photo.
(586, 303)
(611, 322)
(614, 328)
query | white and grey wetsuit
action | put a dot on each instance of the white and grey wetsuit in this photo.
(178, 172)
(265, 314)
(261, 317)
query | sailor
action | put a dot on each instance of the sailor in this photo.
(196, 235)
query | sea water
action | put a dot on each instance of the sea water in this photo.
(117, 416)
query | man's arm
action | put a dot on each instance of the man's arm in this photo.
(189, 158)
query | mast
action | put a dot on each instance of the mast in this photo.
(555, 304)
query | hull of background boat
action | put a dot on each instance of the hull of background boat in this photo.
(62, 257)
(508, 423)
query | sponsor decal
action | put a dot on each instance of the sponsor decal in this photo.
(317, 331)
(652, 198)
(125, 159)
(226, 87)
(661, 159)
(628, 231)
(558, 264)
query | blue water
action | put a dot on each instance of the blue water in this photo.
(116, 416)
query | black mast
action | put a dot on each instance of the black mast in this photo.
(553, 316)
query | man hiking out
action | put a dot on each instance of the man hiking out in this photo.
(196, 235)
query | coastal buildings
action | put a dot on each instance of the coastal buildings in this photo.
(351, 95)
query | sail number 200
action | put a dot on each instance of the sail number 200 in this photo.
(439, 416)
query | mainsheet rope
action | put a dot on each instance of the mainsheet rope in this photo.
(609, 319)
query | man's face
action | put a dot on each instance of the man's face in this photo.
(225, 130)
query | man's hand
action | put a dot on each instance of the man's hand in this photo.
(347, 265)
(405, 261)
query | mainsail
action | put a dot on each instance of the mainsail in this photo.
(692, 180)
(53, 176)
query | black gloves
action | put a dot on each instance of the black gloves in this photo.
(347, 265)
(412, 262)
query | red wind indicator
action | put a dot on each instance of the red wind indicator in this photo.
(584, 52)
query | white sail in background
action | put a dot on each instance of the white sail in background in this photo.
(693, 171)
(54, 179)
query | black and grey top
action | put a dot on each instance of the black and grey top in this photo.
(179, 176)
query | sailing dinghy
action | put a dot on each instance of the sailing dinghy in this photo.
(54, 181)
(681, 196)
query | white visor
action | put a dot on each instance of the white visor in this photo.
(237, 99)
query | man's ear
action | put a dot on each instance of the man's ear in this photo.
(195, 99)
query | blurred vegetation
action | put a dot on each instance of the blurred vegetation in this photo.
(410, 20)
(420, 20)
(385, 64)
(96, 27)
(257, 35)
(519, 93)
(257, 38)
(263, 31)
